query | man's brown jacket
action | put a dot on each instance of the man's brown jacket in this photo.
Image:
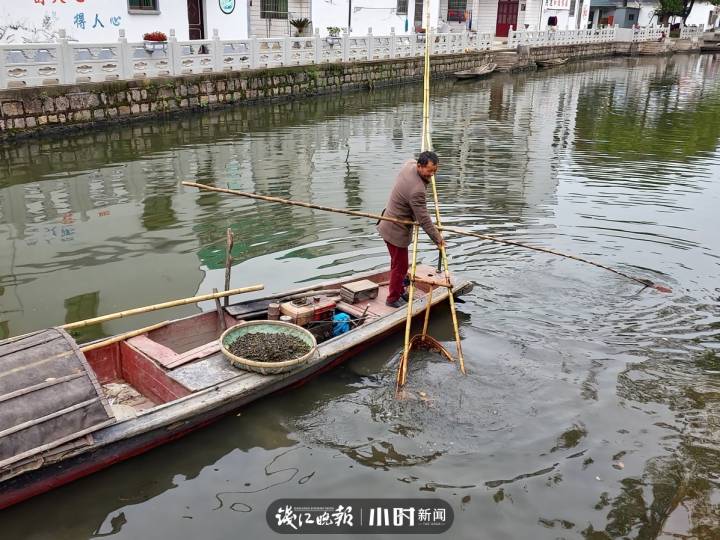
(407, 201)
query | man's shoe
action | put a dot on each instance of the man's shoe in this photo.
(396, 304)
(405, 296)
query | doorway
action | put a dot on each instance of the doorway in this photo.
(507, 15)
(196, 19)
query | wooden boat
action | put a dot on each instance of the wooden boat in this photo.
(477, 72)
(552, 62)
(65, 414)
(710, 47)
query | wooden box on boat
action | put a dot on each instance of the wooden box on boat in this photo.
(358, 291)
(304, 310)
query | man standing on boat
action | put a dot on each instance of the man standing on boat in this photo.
(407, 201)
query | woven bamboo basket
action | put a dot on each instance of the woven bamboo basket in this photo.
(267, 327)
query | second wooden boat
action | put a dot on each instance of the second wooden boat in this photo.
(552, 62)
(476, 73)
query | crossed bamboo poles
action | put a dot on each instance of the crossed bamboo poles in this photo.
(424, 338)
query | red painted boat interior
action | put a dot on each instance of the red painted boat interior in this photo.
(188, 334)
(135, 372)
(137, 364)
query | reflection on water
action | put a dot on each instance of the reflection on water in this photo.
(590, 410)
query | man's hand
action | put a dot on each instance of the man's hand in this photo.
(441, 245)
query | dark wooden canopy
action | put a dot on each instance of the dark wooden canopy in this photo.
(48, 395)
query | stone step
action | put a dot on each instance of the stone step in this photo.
(506, 58)
(506, 61)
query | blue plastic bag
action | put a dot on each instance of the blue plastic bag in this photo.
(341, 323)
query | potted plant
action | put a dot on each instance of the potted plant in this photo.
(334, 35)
(155, 41)
(300, 25)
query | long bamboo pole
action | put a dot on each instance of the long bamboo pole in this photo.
(428, 299)
(155, 307)
(122, 337)
(402, 369)
(456, 230)
(228, 261)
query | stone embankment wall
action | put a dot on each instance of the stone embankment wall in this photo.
(56, 109)
(28, 111)
(589, 50)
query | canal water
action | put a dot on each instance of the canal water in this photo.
(591, 408)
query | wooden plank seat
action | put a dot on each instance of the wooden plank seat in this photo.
(168, 358)
(205, 373)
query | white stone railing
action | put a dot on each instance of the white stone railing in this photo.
(65, 62)
(690, 32)
(591, 35)
(650, 33)
(560, 37)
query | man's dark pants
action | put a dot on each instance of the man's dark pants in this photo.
(398, 270)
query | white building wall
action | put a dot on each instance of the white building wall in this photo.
(563, 15)
(93, 21)
(700, 14)
(262, 28)
(485, 16)
(380, 15)
(646, 15)
(229, 26)
(536, 16)
(531, 15)
(584, 19)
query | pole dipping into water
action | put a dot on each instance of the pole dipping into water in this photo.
(457, 230)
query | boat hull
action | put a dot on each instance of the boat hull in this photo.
(115, 445)
(475, 73)
(552, 63)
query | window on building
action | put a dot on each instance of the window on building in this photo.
(273, 9)
(402, 6)
(143, 5)
(572, 8)
(418, 14)
(456, 10)
(631, 16)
